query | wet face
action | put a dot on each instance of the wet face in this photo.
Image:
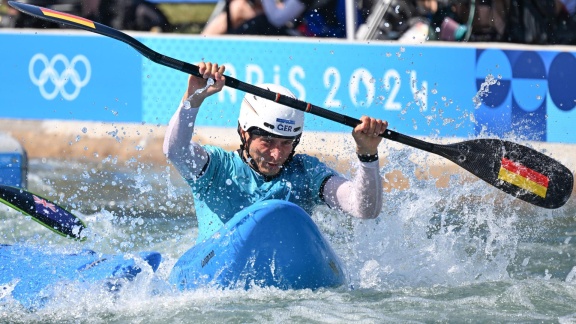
(269, 153)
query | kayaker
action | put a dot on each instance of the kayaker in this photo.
(266, 166)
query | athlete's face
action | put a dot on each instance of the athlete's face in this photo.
(269, 153)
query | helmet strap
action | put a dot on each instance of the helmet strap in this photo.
(244, 150)
(244, 153)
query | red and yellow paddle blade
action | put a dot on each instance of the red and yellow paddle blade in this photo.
(54, 16)
(72, 21)
(60, 16)
(523, 177)
(515, 169)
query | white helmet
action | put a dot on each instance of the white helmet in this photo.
(258, 114)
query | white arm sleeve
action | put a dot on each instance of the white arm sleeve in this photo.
(361, 196)
(279, 16)
(188, 157)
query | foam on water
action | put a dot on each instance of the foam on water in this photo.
(427, 236)
(432, 249)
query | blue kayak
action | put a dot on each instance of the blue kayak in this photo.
(272, 243)
(31, 274)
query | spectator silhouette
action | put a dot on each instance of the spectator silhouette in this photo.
(320, 18)
(235, 13)
(132, 15)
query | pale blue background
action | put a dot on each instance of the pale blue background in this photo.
(421, 90)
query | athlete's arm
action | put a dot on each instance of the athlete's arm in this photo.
(190, 157)
(280, 15)
(362, 195)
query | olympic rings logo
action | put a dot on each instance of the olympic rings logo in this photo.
(59, 80)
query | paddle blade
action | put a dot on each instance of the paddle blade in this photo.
(513, 168)
(43, 211)
(54, 16)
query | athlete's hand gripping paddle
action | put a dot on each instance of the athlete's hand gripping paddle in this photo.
(43, 211)
(515, 169)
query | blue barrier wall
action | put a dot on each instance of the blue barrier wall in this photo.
(432, 90)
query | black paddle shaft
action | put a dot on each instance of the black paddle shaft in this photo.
(488, 159)
(288, 101)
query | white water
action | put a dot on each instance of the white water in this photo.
(493, 259)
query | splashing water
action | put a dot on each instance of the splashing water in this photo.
(484, 90)
(433, 253)
(209, 82)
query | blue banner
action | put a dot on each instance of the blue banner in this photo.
(444, 90)
(414, 88)
(52, 76)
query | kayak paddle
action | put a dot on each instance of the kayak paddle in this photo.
(515, 169)
(43, 211)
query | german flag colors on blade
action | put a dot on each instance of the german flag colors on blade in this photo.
(68, 17)
(516, 169)
(523, 177)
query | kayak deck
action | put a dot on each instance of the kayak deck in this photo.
(272, 243)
